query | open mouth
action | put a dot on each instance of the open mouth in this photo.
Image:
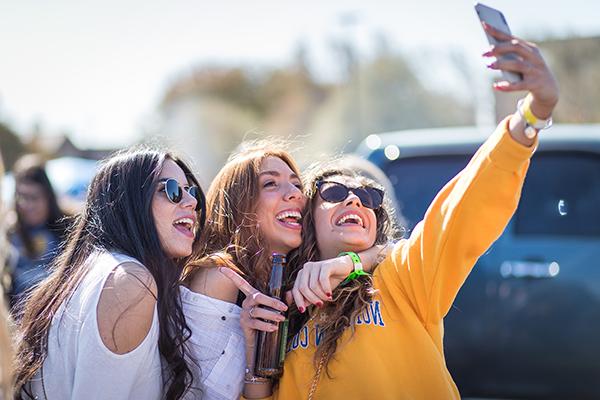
(350, 220)
(185, 226)
(290, 218)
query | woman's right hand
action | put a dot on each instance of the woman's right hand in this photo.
(317, 280)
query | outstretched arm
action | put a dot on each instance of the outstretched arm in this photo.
(537, 79)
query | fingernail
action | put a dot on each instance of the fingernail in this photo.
(301, 309)
(328, 294)
(492, 65)
(319, 304)
(488, 53)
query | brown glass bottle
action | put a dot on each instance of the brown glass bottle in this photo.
(270, 346)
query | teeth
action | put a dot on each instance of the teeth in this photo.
(289, 214)
(188, 222)
(347, 217)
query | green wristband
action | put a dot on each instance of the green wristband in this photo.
(358, 268)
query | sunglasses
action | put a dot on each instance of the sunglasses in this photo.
(334, 192)
(174, 193)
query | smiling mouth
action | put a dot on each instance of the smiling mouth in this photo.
(185, 225)
(289, 217)
(350, 220)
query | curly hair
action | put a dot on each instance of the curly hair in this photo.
(350, 300)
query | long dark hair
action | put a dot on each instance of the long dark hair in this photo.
(30, 169)
(349, 300)
(117, 217)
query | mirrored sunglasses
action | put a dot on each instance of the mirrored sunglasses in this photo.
(174, 192)
(335, 192)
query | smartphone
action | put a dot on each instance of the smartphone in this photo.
(496, 19)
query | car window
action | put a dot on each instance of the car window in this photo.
(561, 194)
(417, 180)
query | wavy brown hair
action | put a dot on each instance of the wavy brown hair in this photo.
(117, 216)
(350, 300)
(231, 236)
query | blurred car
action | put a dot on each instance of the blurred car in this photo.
(526, 322)
(70, 178)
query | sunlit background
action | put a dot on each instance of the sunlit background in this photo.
(202, 76)
(80, 79)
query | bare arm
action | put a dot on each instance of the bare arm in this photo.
(210, 282)
(316, 281)
(125, 309)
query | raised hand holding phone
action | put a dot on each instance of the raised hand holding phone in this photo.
(526, 60)
(494, 18)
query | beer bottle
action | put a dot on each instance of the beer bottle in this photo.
(270, 346)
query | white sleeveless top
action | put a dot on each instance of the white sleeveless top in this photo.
(78, 364)
(216, 347)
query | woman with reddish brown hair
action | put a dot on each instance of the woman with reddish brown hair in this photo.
(254, 209)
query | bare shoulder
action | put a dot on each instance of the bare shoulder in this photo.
(210, 282)
(126, 307)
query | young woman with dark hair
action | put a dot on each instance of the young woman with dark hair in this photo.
(108, 323)
(381, 336)
(39, 226)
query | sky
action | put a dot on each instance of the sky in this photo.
(98, 70)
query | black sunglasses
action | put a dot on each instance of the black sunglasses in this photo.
(335, 192)
(174, 193)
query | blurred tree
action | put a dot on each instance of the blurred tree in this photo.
(10, 146)
(576, 63)
(212, 109)
(391, 98)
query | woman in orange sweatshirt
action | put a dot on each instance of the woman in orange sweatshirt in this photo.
(381, 336)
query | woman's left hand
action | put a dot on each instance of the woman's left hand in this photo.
(537, 77)
(316, 281)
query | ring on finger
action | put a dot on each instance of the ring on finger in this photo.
(251, 312)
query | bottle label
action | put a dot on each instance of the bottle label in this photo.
(283, 332)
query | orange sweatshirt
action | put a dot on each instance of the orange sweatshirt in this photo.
(397, 349)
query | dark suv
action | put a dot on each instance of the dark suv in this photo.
(526, 324)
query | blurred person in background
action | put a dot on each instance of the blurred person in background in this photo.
(39, 225)
(6, 348)
(107, 323)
